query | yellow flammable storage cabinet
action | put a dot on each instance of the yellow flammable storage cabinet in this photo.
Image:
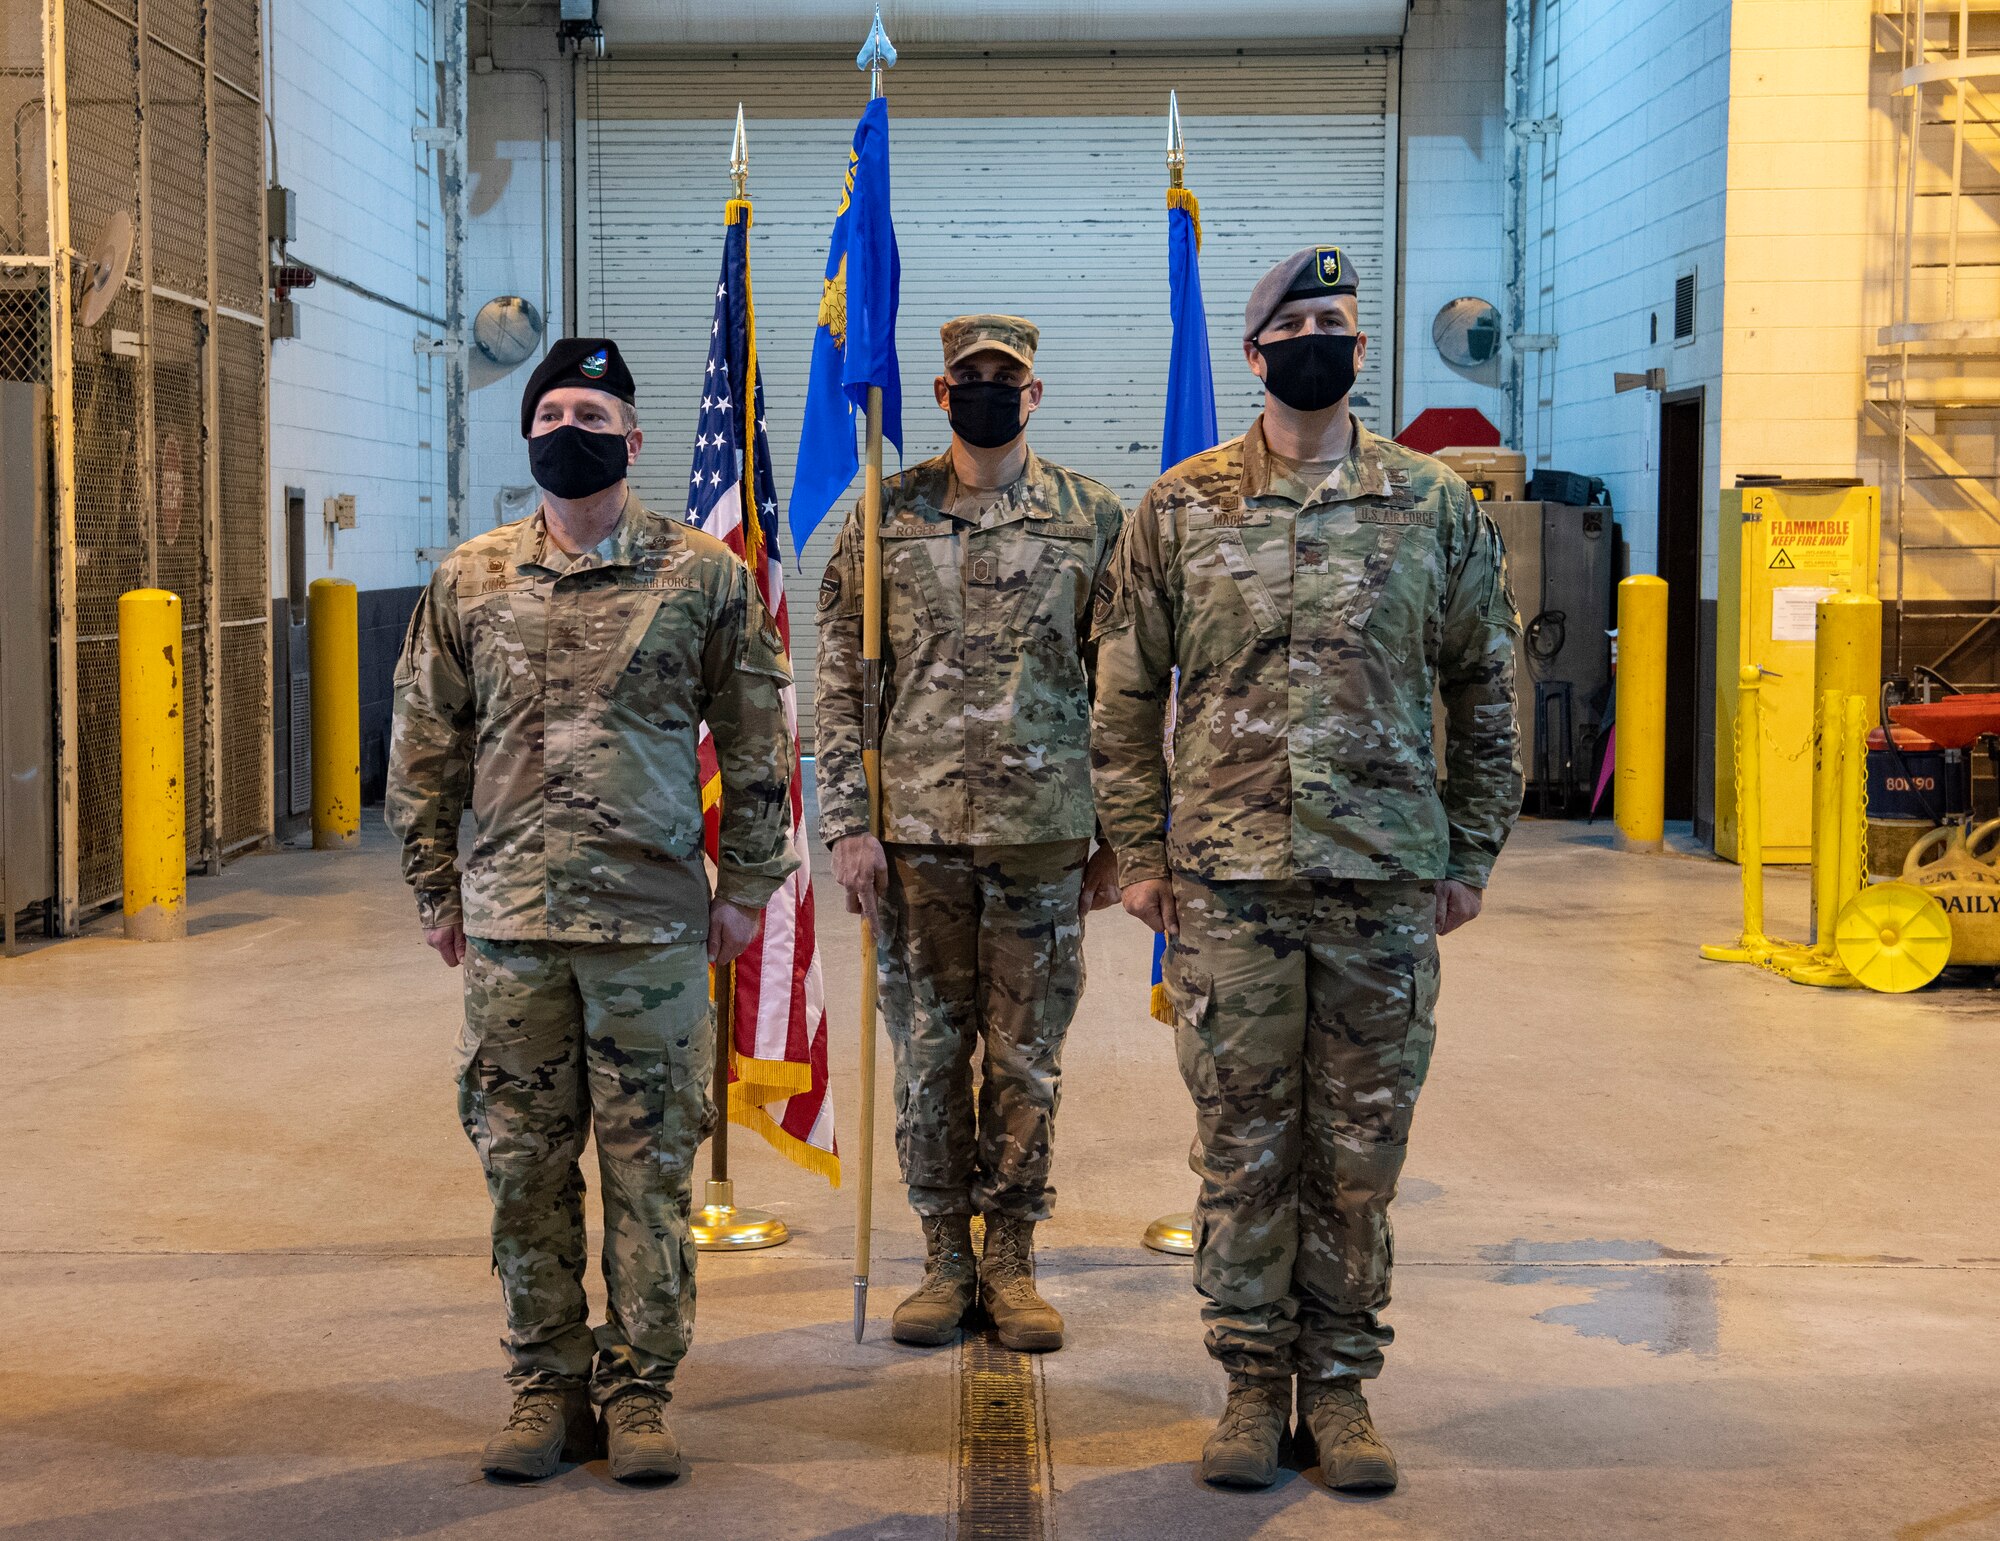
(1784, 547)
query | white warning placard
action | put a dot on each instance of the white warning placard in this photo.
(1795, 612)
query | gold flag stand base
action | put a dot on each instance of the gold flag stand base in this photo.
(719, 1226)
(1171, 1233)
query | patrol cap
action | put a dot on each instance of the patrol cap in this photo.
(1310, 274)
(1011, 335)
(592, 362)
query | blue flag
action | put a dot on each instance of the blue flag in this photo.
(1190, 425)
(854, 346)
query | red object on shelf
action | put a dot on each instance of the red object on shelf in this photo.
(1437, 428)
(1952, 723)
(1909, 740)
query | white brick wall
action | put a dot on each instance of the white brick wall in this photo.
(1634, 192)
(353, 407)
(1798, 238)
(1454, 175)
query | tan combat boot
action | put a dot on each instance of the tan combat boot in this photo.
(1250, 1435)
(546, 1428)
(1007, 1287)
(642, 1447)
(931, 1315)
(1352, 1457)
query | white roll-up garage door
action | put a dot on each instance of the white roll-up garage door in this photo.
(1027, 184)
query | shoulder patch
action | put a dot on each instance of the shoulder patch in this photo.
(829, 589)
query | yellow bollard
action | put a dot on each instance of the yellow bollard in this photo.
(1754, 945)
(1847, 650)
(1639, 797)
(333, 631)
(153, 765)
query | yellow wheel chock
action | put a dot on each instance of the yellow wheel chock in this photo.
(1893, 937)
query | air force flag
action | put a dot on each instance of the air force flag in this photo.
(855, 344)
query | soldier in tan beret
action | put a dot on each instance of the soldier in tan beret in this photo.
(978, 888)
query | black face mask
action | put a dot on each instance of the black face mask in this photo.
(986, 413)
(1309, 373)
(573, 462)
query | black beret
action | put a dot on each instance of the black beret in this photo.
(591, 362)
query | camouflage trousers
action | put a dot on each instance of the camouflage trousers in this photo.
(1304, 1020)
(563, 1040)
(980, 948)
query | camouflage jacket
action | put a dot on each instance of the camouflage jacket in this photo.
(1310, 627)
(986, 665)
(562, 696)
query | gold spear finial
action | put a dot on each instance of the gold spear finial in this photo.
(739, 157)
(1176, 145)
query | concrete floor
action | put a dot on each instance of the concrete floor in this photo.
(1685, 1251)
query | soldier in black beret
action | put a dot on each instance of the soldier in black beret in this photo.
(582, 363)
(554, 679)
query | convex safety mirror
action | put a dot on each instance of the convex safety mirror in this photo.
(1467, 333)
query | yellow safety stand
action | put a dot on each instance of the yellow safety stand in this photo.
(334, 640)
(1847, 659)
(1753, 946)
(152, 745)
(1841, 860)
(1840, 857)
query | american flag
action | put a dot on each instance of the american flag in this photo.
(778, 1072)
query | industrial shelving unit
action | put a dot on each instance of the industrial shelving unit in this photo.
(1934, 376)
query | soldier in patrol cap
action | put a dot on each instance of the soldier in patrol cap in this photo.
(979, 885)
(1313, 584)
(554, 677)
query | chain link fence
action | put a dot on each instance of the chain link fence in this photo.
(165, 393)
(24, 211)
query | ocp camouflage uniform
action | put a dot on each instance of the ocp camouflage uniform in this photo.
(1312, 612)
(560, 696)
(986, 807)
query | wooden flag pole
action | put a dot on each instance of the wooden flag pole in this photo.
(719, 1226)
(871, 764)
(876, 55)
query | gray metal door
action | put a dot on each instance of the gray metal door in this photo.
(27, 806)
